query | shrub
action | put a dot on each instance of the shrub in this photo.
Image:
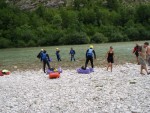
(118, 37)
(137, 32)
(4, 43)
(31, 43)
(21, 43)
(99, 38)
(75, 38)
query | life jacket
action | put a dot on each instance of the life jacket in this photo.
(44, 56)
(72, 52)
(90, 52)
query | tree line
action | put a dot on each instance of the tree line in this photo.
(83, 22)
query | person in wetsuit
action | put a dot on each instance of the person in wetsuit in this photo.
(40, 55)
(57, 54)
(89, 56)
(45, 59)
(110, 58)
(136, 52)
(72, 53)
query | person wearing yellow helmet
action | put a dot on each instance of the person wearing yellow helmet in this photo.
(91, 46)
(40, 54)
(89, 56)
(57, 54)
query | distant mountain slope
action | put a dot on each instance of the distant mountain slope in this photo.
(31, 4)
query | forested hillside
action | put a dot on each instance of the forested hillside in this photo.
(76, 22)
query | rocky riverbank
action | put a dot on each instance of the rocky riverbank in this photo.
(122, 91)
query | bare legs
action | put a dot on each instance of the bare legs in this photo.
(137, 60)
(109, 65)
(145, 68)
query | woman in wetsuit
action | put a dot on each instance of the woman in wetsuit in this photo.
(110, 58)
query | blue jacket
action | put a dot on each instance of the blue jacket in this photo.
(72, 52)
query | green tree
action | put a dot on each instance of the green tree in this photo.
(87, 16)
(143, 14)
(69, 18)
(113, 4)
(57, 21)
(79, 3)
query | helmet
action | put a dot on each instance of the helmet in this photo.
(41, 49)
(91, 46)
(57, 48)
(55, 70)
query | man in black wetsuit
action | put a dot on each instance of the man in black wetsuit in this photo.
(89, 56)
(45, 59)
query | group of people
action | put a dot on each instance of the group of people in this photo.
(44, 57)
(143, 56)
(90, 56)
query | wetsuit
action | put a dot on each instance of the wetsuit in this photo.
(72, 53)
(58, 56)
(110, 57)
(45, 59)
(89, 57)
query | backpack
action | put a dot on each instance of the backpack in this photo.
(90, 53)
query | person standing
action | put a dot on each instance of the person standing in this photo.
(45, 59)
(142, 58)
(57, 54)
(110, 58)
(136, 52)
(148, 55)
(89, 56)
(72, 53)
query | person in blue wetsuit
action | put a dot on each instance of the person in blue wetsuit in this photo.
(89, 56)
(45, 59)
(72, 53)
(57, 54)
